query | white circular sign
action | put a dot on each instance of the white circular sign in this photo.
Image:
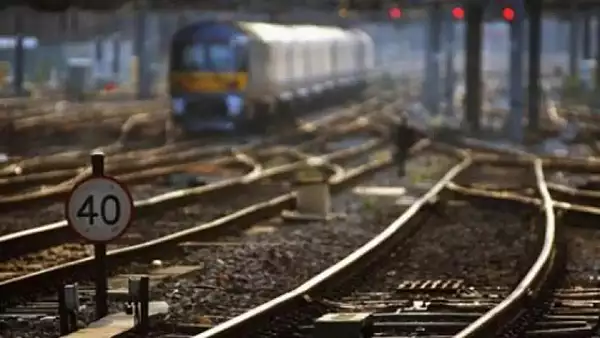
(99, 209)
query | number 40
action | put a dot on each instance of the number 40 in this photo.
(87, 210)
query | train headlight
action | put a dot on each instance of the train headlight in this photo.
(234, 105)
(178, 106)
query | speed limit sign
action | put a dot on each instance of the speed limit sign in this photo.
(99, 209)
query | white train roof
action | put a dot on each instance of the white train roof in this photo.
(362, 35)
(288, 33)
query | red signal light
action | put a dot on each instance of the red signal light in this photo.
(508, 14)
(395, 13)
(458, 13)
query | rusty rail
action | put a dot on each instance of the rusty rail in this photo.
(236, 326)
(533, 282)
(237, 220)
(59, 232)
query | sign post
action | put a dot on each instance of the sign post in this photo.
(99, 209)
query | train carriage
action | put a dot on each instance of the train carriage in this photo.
(227, 75)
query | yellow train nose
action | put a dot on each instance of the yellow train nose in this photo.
(209, 82)
(234, 85)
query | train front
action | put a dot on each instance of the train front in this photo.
(208, 76)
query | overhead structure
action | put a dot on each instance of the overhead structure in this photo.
(471, 11)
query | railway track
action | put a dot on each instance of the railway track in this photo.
(232, 222)
(81, 125)
(561, 303)
(269, 164)
(131, 126)
(72, 160)
(379, 287)
(457, 294)
(153, 181)
(276, 254)
(477, 287)
(46, 127)
(509, 252)
(135, 169)
(262, 168)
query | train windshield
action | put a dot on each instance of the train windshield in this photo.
(209, 58)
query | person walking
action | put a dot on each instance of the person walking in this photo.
(404, 138)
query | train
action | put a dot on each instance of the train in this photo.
(241, 75)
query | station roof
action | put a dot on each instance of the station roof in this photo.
(48, 20)
(111, 5)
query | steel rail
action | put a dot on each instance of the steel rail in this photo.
(123, 112)
(514, 157)
(531, 285)
(59, 232)
(75, 159)
(44, 108)
(515, 197)
(307, 127)
(118, 145)
(567, 164)
(59, 192)
(67, 173)
(237, 325)
(239, 219)
(564, 189)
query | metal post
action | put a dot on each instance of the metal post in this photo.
(166, 28)
(594, 28)
(535, 51)
(573, 41)
(97, 159)
(71, 298)
(474, 20)
(98, 59)
(116, 61)
(144, 324)
(561, 32)
(63, 313)
(526, 29)
(116, 48)
(65, 29)
(515, 118)
(450, 78)
(431, 91)
(141, 51)
(98, 49)
(72, 321)
(598, 49)
(587, 35)
(19, 69)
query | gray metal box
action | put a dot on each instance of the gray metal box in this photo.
(346, 325)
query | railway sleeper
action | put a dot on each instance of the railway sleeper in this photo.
(87, 294)
(416, 309)
(46, 309)
(316, 306)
